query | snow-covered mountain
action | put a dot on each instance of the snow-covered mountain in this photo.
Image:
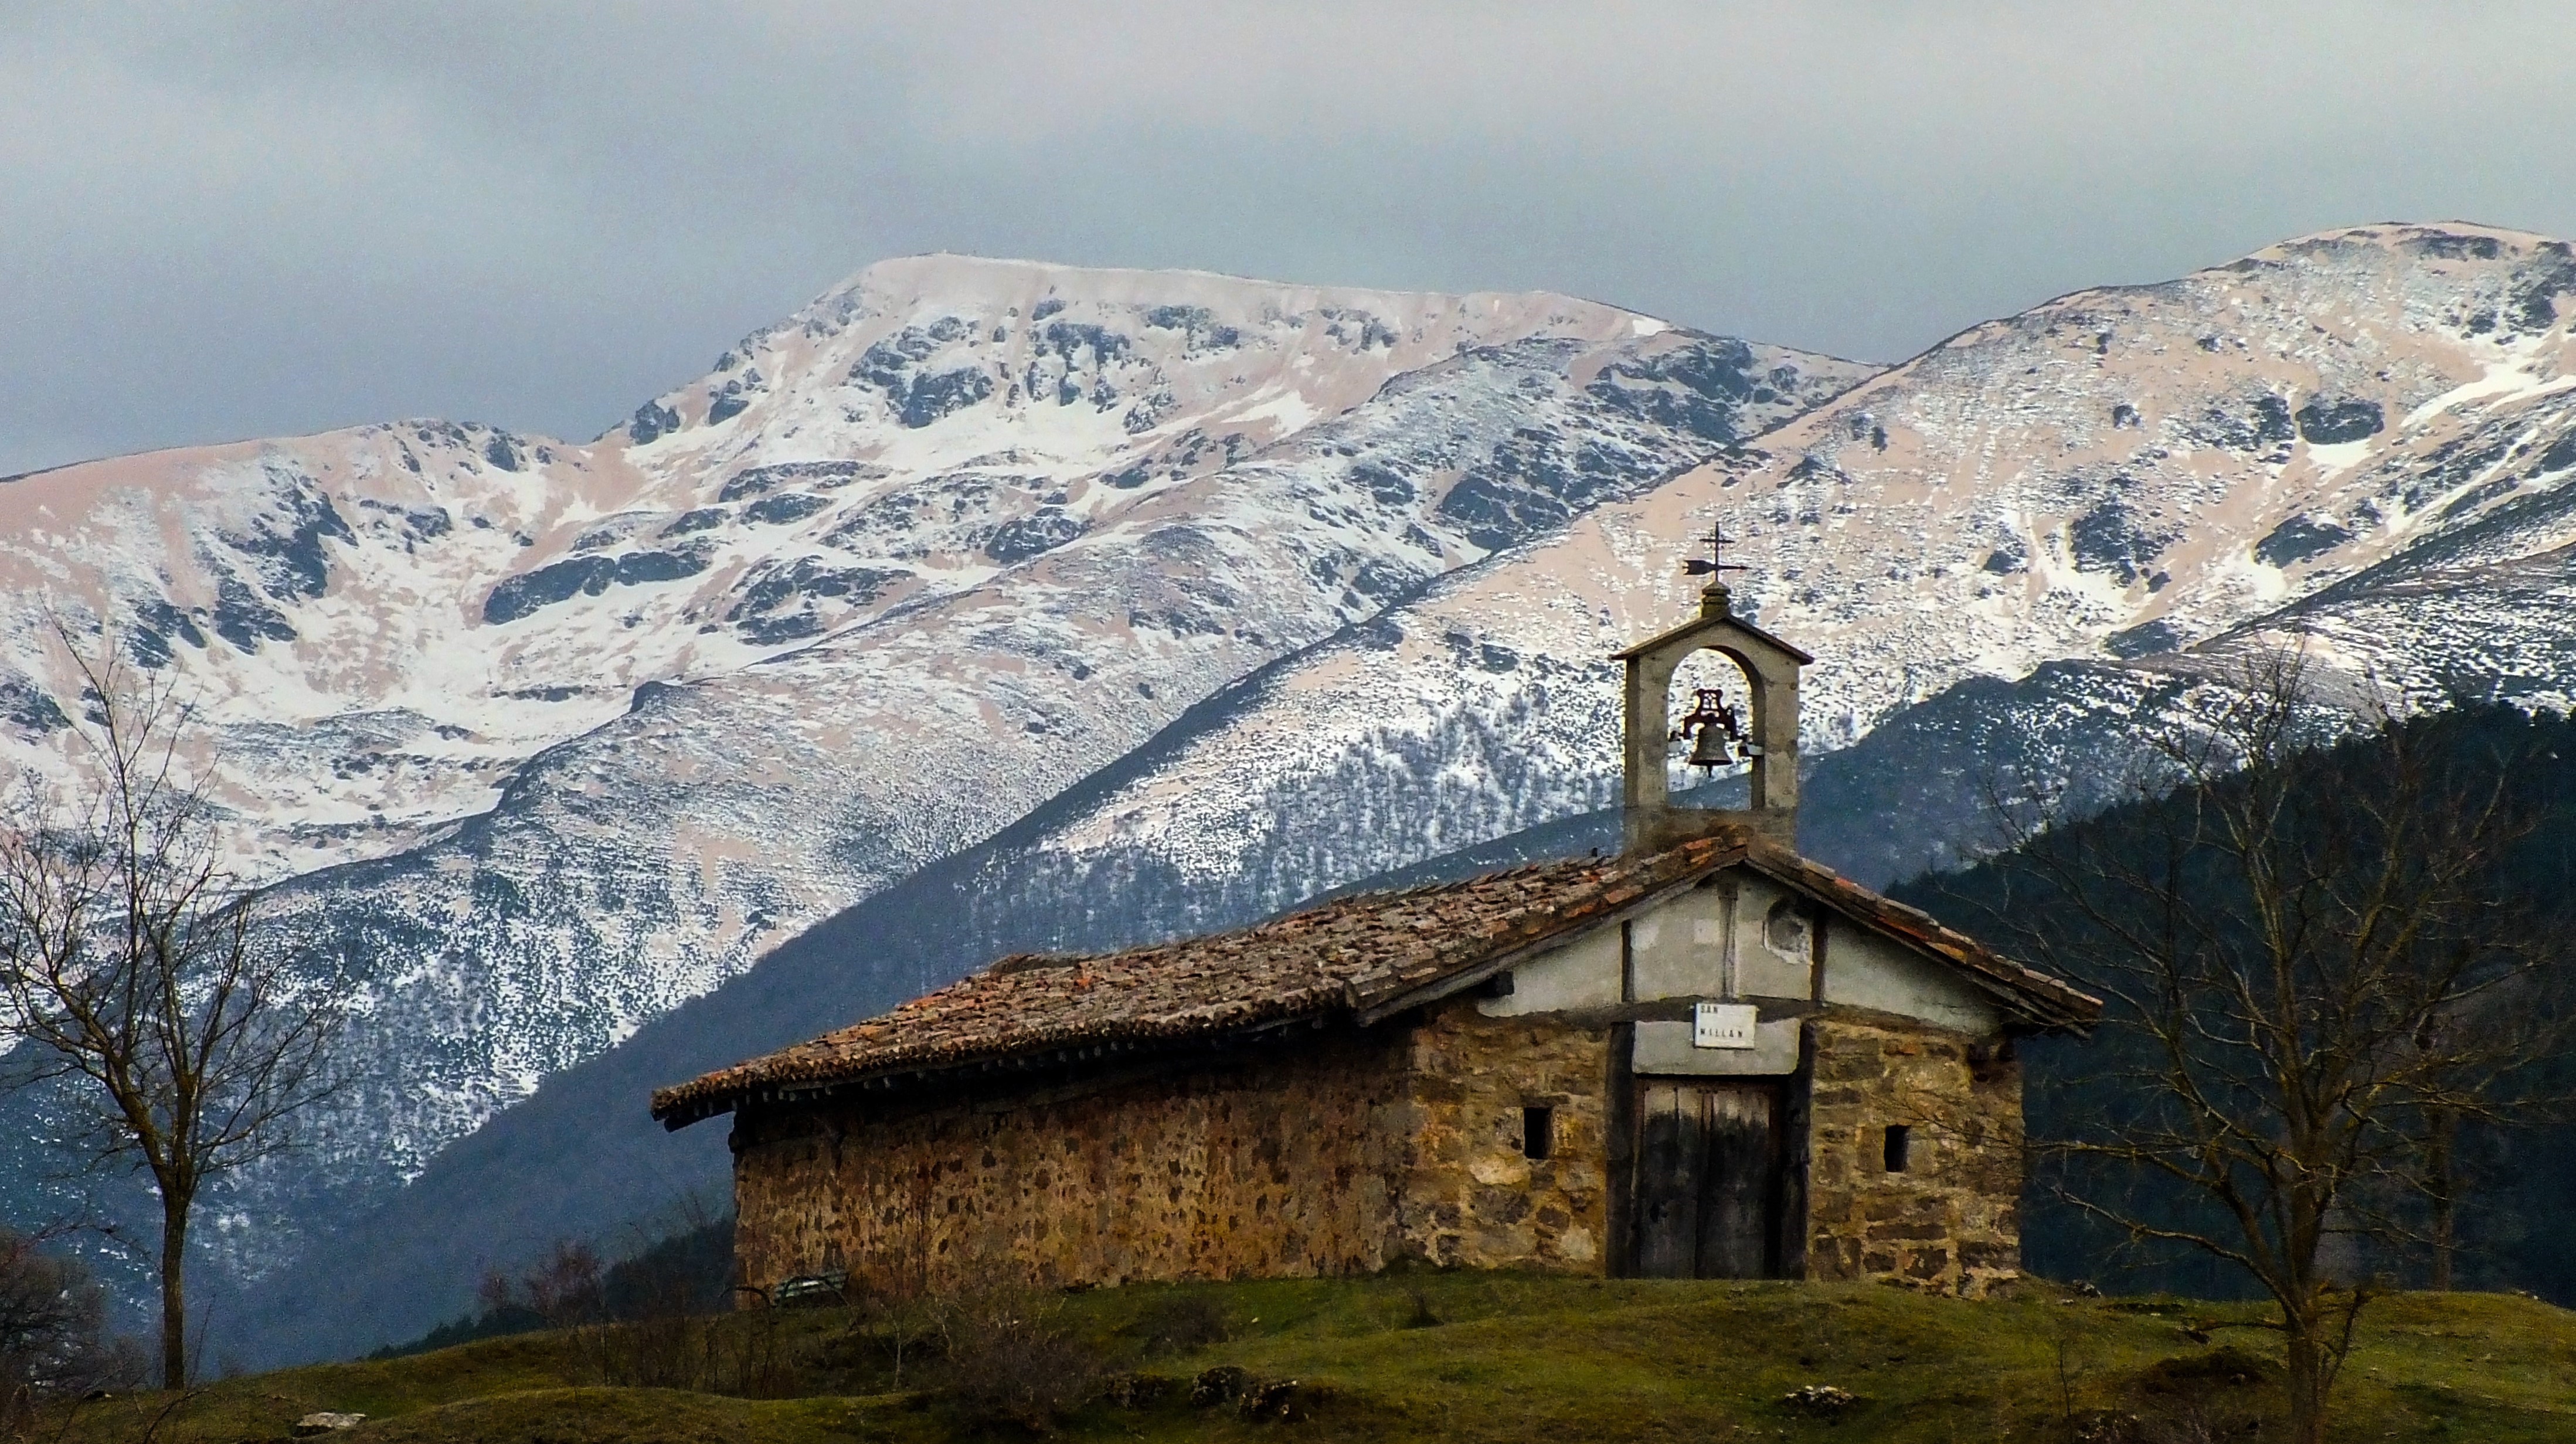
(2365, 438)
(385, 621)
(544, 738)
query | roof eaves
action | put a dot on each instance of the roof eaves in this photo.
(678, 1107)
(703, 1097)
(1698, 624)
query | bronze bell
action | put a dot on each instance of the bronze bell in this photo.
(1708, 748)
(1709, 726)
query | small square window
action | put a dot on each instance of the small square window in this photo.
(1538, 1132)
(1900, 1146)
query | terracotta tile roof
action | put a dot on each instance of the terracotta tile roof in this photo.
(1342, 956)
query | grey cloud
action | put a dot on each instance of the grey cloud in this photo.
(255, 220)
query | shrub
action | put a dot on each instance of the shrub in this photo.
(53, 1335)
(688, 1271)
(1009, 1359)
(744, 1355)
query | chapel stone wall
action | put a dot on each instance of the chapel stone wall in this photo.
(1472, 1195)
(1286, 1163)
(1951, 1219)
(1346, 1152)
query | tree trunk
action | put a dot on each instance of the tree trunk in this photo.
(2307, 1381)
(2442, 1186)
(174, 1297)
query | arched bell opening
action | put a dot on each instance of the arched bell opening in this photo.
(1712, 714)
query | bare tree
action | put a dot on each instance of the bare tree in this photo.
(131, 971)
(2318, 970)
(561, 1290)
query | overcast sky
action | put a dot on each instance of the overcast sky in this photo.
(229, 221)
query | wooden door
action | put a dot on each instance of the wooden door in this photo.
(1708, 1180)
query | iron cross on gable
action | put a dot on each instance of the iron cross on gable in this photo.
(1714, 565)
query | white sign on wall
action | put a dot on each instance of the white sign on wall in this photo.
(1722, 1025)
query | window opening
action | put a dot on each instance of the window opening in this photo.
(1900, 1141)
(1538, 1132)
(1785, 929)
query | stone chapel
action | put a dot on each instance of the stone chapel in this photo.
(1704, 1057)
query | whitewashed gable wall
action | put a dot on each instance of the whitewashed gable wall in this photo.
(1739, 936)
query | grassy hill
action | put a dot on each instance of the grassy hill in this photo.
(1477, 1357)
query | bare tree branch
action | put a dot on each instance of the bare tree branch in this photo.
(132, 972)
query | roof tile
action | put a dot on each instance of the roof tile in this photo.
(1343, 954)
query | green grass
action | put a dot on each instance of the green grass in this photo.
(1501, 1357)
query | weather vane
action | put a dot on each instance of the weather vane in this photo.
(1714, 600)
(1714, 565)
